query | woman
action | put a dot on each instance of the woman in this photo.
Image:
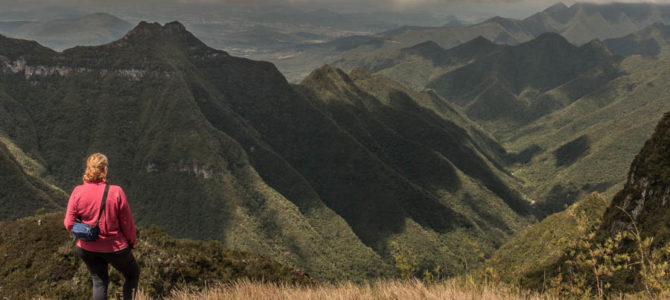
(117, 229)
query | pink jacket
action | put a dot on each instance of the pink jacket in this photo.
(117, 228)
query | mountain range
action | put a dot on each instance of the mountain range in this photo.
(579, 23)
(326, 176)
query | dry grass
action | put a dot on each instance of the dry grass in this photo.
(389, 289)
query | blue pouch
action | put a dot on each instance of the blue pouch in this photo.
(90, 233)
(85, 232)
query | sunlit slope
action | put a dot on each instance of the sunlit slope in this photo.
(588, 145)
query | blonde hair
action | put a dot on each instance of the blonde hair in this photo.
(95, 167)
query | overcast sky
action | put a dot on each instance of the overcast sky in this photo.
(469, 9)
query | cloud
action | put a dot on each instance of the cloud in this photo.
(379, 3)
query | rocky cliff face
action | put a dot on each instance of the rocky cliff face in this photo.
(645, 198)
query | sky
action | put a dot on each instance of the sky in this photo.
(471, 10)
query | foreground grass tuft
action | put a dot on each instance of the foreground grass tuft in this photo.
(384, 289)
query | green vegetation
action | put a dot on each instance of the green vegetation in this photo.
(602, 267)
(418, 65)
(347, 176)
(38, 259)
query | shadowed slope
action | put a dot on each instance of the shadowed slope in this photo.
(437, 157)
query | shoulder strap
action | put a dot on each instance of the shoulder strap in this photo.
(102, 205)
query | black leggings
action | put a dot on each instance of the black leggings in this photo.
(122, 260)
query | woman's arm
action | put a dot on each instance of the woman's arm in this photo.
(71, 212)
(126, 221)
